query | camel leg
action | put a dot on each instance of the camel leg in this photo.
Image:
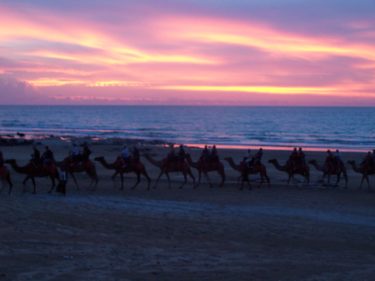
(199, 178)
(95, 178)
(329, 181)
(114, 175)
(74, 180)
(24, 183)
(307, 176)
(53, 184)
(144, 173)
(222, 174)
(362, 180)
(185, 180)
(249, 184)
(337, 180)
(289, 178)
(191, 175)
(122, 180)
(138, 180)
(267, 179)
(208, 179)
(346, 180)
(368, 182)
(10, 184)
(169, 180)
(34, 185)
(158, 178)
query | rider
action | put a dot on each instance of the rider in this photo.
(337, 157)
(171, 155)
(205, 154)
(249, 160)
(301, 157)
(258, 157)
(76, 153)
(47, 157)
(368, 160)
(35, 156)
(214, 155)
(86, 152)
(125, 155)
(181, 153)
(329, 160)
(293, 158)
(135, 153)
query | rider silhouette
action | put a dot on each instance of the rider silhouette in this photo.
(47, 157)
(258, 157)
(301, 158)
(35, 157)
(86, 152)
(205, 154)
(181, 153)
(171, 155)
(329, 163)
(214, 155)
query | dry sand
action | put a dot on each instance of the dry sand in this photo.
(294, 232)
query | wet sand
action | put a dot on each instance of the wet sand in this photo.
(281, 232)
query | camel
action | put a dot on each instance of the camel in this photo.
(72, 168)
(5, 178)
(303, 170)
(204, 167)
(167, 167)
(245, 171)
(135, 166)
(31, 171)
(337, 170)
(366, 171)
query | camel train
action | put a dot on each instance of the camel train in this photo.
(180, 162)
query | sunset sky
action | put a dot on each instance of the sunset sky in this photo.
(195, 52)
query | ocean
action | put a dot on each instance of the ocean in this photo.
(309, 127)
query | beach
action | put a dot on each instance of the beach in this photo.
(281, 232)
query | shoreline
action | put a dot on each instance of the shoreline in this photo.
(28, 139)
